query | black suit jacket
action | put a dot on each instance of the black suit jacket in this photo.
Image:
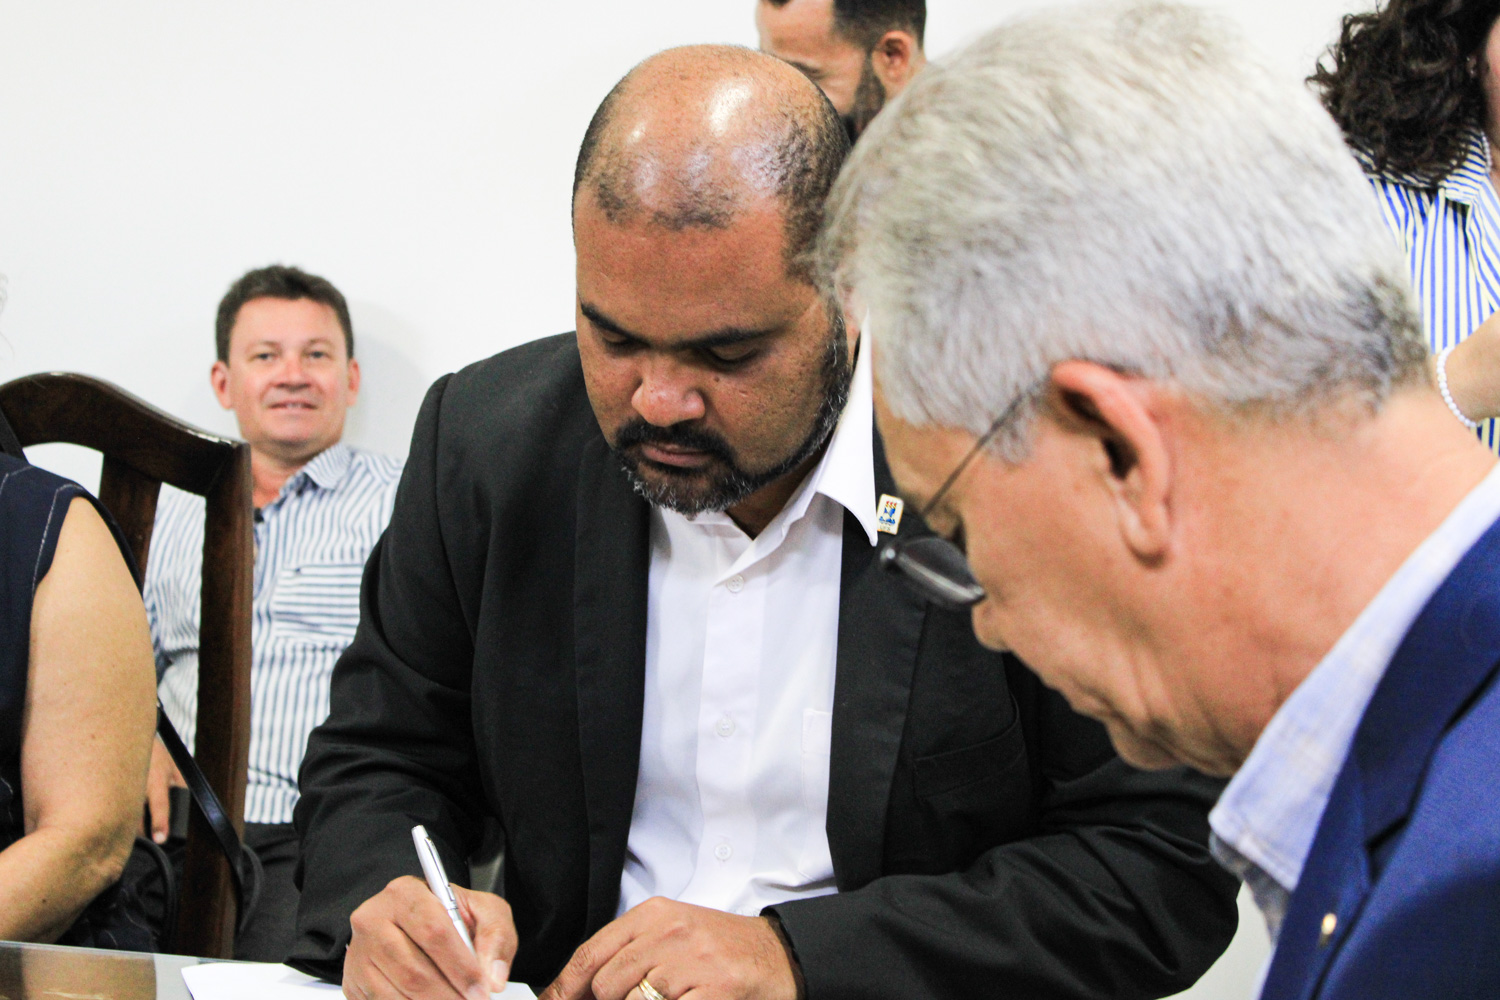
(985, 839)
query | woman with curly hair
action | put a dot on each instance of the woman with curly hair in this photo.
(1413, 85)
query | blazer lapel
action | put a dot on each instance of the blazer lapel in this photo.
(610, 592)
(880, 628)
(1335, 881)
(1451, 652)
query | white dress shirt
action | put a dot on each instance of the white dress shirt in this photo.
(731, 803)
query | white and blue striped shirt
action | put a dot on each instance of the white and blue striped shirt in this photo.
(1451, 235)
(311, 544)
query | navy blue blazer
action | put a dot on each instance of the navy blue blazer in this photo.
(1400, 896)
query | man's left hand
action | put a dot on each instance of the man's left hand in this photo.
(680, 950)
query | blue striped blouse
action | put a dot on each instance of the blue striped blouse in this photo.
(311, 544)
(1451, 236)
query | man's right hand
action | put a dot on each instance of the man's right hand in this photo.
(162, 776)
(405, 946)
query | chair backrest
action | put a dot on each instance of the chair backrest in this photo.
(143, 448)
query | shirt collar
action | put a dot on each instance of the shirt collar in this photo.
(1463, 185)
(1270, 812)
(328, 467)
(846, 475)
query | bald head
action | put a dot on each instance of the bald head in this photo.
(693, 137)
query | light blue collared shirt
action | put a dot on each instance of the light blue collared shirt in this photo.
(1264, 824)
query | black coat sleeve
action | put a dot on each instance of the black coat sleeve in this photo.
(1109, 892)
(397, 748)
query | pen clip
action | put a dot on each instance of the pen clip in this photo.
(449, 900)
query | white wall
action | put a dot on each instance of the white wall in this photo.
(419, 155)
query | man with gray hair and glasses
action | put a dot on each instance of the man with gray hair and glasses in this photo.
(1143, 351)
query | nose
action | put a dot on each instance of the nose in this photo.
(667, 394)
(291, 373)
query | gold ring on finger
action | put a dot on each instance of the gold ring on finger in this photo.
(648, 991)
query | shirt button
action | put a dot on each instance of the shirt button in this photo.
(725, 727)
(723, 852)
(736, 584)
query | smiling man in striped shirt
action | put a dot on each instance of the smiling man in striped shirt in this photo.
(286, 368)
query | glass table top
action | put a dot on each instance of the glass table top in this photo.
(50, 972)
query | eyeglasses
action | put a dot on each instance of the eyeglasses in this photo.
(934, 566)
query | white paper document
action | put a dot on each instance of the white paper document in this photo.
(259, 981)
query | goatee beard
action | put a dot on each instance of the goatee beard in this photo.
(729, 483)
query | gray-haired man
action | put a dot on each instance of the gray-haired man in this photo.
(1141, 344)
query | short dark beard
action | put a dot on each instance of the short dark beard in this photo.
(729, 483)
(869, 98)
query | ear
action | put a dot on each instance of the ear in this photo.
(354, 378)
(896, 59)
(1133, 457)
(218, 377)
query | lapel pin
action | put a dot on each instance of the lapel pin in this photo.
(888, 515)
(1326, 932)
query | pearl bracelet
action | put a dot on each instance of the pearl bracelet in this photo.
(1442, 379)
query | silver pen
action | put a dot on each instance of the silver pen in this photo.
(437, 880)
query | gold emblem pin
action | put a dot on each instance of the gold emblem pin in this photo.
(888, 515)
(1330, 924)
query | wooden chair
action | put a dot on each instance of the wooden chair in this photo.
(143, 448)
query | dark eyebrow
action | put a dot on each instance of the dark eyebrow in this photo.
(715, 338)
(268, 342)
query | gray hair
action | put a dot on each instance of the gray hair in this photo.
(1123, 185)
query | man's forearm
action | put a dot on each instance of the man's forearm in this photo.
(1118, 898)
